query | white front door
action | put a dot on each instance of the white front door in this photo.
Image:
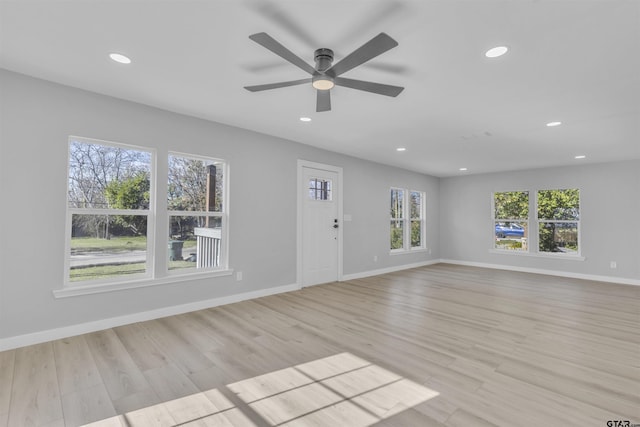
(319, 194)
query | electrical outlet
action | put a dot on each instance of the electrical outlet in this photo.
(375, 258)
(613, 264)
(239, 276)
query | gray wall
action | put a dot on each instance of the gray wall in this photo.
(609, 206)
(37, 119)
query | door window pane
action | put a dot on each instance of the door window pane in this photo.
(320, 189)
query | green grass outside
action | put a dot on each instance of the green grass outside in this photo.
(509, 244)
(119, 244)
(112, 271)
(105, 271)
(116, 244)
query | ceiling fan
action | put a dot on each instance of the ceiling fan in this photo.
(325, 76)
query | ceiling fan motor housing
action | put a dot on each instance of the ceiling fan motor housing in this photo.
(323, 58)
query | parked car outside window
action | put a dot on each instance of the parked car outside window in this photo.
(509, 229)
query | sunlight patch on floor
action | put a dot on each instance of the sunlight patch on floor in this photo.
(338, 390)
(342, 389)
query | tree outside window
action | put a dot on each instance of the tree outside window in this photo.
(558, 220)
(407, 220)
(397, 219)
(108, 205)
(110, 212)
(195, 200)
(511, 224)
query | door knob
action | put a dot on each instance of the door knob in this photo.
(335, 225)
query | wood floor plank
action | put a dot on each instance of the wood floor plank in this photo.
(75, 366)
(169, 382)
(441, 345)
(119, 373)
(7, 361)
(35, 395)
(182, 353)
(461, 418)
(88, 405)
(137, 340)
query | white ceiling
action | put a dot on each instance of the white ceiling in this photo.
(577, 62)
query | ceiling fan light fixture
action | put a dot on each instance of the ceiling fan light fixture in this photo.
(322, 83)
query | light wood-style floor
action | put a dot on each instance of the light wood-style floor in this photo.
(439, 345)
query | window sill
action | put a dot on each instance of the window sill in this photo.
(409, 251)
(88, 289)
(561, 256)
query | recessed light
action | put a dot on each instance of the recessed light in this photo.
(582, 156)
(305, 119)
(462, 169)
(496, 51)
(401, 149)
(118, 57)
(552, 124)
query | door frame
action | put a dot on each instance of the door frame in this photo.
(302, 164)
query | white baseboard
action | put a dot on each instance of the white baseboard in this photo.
(608, 279)
(98, 325)
(386, 270)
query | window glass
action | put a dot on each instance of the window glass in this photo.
(397, 203)
(195, 199)
(320, 189)
(114, 250)
(108, 204)
(511, 224)
(558, 221)
(415, 200)
(407, 220)
(195, 184)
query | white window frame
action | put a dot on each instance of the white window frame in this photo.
(521, 220)
(534, 230)
(156, 265)
(407, 221)
(421, 220)
(539, 221)
(224, 246)
(149, 213)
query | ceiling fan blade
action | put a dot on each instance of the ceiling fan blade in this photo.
(323, 101)
(379, 88)
(265, 40)
(268, 86)
(374, 47)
